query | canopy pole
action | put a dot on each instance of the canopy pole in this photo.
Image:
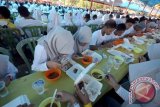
(113, 5)
(144, 7)
(157, 12)
(128, 5)
(91, 4)
(151, 11)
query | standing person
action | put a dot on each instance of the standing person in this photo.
(103, 35)
(49, 52)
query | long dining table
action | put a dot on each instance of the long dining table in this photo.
(23, 85)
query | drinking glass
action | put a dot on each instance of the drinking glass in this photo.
(3, 89)
(38, 86)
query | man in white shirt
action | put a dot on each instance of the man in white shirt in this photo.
(118, 19)
(26, 19)
(100, 37)
(120, 29)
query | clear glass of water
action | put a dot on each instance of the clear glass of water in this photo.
(3, 89)
(117, 64)
(38, 86)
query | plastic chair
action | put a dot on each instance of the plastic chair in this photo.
(34, 31)
(9, 38)
(30, 43)
(94, 27)
(72, 29)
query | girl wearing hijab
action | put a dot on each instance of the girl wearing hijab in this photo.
(82, 39)
(7, 69)
(67, 19)
(51, 49)
(53, 19)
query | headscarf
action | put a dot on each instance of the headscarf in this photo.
(83, 35)
(68, 19)
(53, 18)
(3, 65)
(58, 41)
(37, 14)
(154, 51)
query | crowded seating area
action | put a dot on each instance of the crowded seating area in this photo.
(57, 55)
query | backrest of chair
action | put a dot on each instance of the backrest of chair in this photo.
(9, 38)
(72, 29)
(30, 43)
(34, 31)
(94, 27)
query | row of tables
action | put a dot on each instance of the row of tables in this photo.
(24, 85)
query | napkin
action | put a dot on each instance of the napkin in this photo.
(18, 101)
(138, 41)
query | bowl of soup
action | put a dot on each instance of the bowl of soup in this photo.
(97, 74)
(47, 102)
(53, 74)
(86, 60)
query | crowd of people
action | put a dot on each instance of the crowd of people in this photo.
(59, 43)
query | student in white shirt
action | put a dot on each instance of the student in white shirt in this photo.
(120, 29)
(95, 21)
(7, 69)
(49, 52)
(118, 19)
(103, 35)
(27, 20)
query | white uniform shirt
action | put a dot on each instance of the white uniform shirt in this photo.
(98, 39)
(40, 59)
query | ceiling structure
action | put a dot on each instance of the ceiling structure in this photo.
(137, 5)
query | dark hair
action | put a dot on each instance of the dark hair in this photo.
(127, 16)
(121, 27)
(87, 16)
(94, 16)
(110, 16)
(23, 11)
(143, 18)
(130, 20)
(136, 19)
(110, 24)
(4, 11)
(118, 16)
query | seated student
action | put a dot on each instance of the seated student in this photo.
(103, 35)
(87, 18)
(49, 52)
(120, 29)
(135, 30)
(4, 17)
(95, 21)
(27, 20)
(82, 39)
(7, 69)
(129, 26)
(118, 19)
(54, 20)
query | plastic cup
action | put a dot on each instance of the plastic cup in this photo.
(3, 89)
(38, 86)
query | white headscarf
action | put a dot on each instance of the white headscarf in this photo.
(53, 18)
(83, 35)
(154, 51)
(78, 21)
(58, 41)
(37, 14)
(68, 19)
